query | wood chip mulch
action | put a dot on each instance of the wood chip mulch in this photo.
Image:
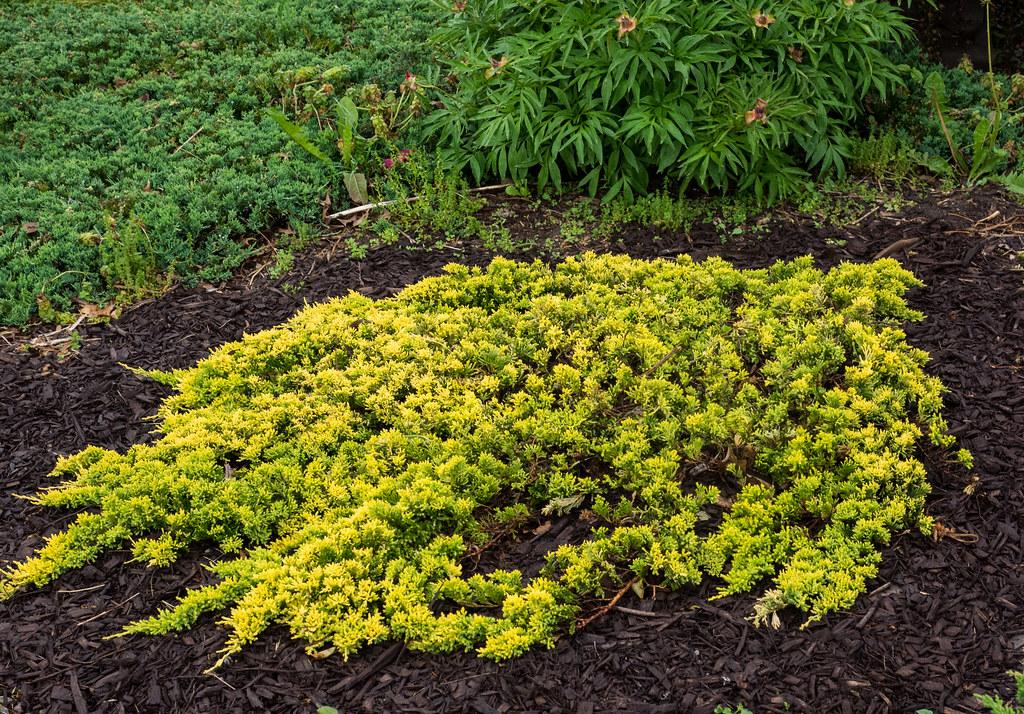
(943, 620)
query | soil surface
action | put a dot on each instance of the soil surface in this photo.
(943, 620)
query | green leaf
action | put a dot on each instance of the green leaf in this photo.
(296, 133)
(936, 87)
(346, 144)
(355, 184)
(348, 113)
(1013, 182)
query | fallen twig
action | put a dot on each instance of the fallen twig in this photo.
(83, 590)
(869, 213)
(977, 248)
(896, 247)
(661, 363)
(50, 339)
(638, 613)
(106, 612)
(386, 657)
(217, 677)
(601, 612)
(384, 204)
(184, 143)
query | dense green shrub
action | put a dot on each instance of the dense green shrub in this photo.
(757, 427)
(151, 113)
(719, 94)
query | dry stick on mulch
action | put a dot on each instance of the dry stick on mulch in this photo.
(605, 609)
(365, 208)
(976, 228)
(638, 613)
(383, 660)
(894, 248)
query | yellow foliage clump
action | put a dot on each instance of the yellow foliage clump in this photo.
(750, 426)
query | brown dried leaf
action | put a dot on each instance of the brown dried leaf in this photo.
(323, 654)
(90, 310)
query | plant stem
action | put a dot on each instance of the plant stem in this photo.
(988, 40)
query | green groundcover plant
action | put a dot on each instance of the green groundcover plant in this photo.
(721, 94)
(758, 427)
(120, 118)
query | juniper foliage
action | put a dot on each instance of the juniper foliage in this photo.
(754, 427)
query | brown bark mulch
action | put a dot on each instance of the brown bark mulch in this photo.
(943, 620)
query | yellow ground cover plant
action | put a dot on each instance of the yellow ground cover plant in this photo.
(757, 427)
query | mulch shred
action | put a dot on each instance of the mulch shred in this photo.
(943, 620)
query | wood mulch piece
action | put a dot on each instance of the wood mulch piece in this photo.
(943, 620)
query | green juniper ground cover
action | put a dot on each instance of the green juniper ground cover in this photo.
(100, 187)
(750, 426)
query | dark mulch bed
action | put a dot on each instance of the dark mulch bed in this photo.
(944, 620)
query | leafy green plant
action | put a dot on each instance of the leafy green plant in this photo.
(659, 209)
(430, 205)
(387, 115)
(1014, 182)
(606, 95)
(305, 92)
(996, 704)
(837, 204)
(738, 709)
(284, 260)
(128, 261)
(753, 426)
(987, 157)
(959, 122)
(885, 157)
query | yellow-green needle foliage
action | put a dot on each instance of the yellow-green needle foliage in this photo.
(757, 427)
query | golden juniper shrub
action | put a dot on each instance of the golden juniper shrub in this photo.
(758, 427)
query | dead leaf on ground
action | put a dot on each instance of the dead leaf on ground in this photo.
(323, 654)
(90, 310)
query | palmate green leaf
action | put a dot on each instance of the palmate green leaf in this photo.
(296, 133)
(691, 54)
